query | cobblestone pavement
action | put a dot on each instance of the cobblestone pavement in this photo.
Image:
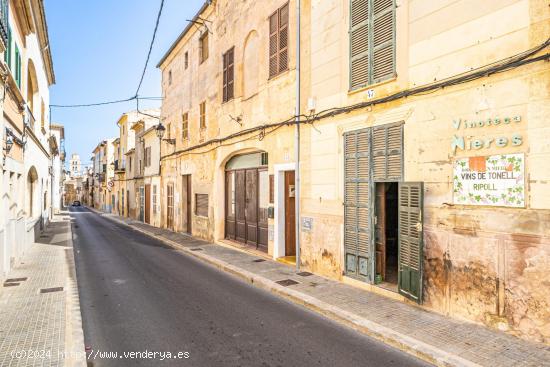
(39, 322)
(436, 338)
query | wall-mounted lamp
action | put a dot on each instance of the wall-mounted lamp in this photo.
(160, 130)
(9, 144)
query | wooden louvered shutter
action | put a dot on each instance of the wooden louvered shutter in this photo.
(372, 41)
(273, 44)
(410, 239)
(357, 205)
(228, 74)
(283, 38)
(383, 40)
(387, 152)
(359, 43)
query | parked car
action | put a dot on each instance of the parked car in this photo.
(76, 203)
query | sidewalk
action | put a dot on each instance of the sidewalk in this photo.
(40, 320)
(430, 336)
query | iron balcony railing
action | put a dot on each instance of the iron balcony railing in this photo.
(29, 118)
(4, 21)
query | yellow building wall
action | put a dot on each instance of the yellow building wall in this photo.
(484, 264)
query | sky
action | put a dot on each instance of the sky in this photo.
(99, 50)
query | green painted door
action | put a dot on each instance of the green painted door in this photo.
(410, 240)
(358, 245)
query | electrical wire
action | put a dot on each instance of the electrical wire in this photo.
(150, 48)
(484, 71)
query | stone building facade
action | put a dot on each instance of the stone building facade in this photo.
(424, 142)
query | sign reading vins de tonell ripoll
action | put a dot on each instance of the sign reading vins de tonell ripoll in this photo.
(496, 180)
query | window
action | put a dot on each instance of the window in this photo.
(203, 115)
(186, 61)
(228, 74)
(130, 164)
(372, 42)
(170, 77)
(203, 47)
(147, 156)
(278, 41)
(201, 205)
(169, 130)
(185, 126)
(154, 199)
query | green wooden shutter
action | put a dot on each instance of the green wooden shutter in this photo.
(387, 152)
(372, 41)
(17, 66)
(410, 239)
(383, 40)
(359, 43)
(357, 205)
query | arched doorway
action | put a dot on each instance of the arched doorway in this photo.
(32, 180)
(247, 199)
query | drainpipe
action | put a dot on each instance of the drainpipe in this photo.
(297, 138)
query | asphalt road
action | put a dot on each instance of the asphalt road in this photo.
(138, 295)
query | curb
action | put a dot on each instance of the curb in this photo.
(74, 334)
(379, 332)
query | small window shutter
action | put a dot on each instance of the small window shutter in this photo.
(230, 73)
(283, 38)
(357, 205)
(410, 239)
(387, 152)
(359, 43)
(383, 52)
(224, 92)
(201, 205)
(273, 44)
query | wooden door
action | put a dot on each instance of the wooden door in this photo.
(251, 206)
(380, 229)
(410, 240)
(230, 205)
(141, 204)
(290, 214)
(240, 201)
(170, 206)
(147, 203)
(186, 203)
(127, 203)
(263, 205)
(358, 244)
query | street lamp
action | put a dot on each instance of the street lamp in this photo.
(160, 130)
(160, 134)
(9, 144)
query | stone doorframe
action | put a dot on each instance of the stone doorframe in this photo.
(279, 217)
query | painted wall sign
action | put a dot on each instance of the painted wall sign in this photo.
(471, 142)
(496, 180)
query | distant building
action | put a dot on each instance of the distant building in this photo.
(75, 166)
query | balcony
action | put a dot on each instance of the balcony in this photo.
(4, 5)
(120, 166)
(29, 117)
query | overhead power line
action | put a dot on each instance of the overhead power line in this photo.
(150, 48)
(136, 95)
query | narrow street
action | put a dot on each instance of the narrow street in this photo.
(136, 294)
